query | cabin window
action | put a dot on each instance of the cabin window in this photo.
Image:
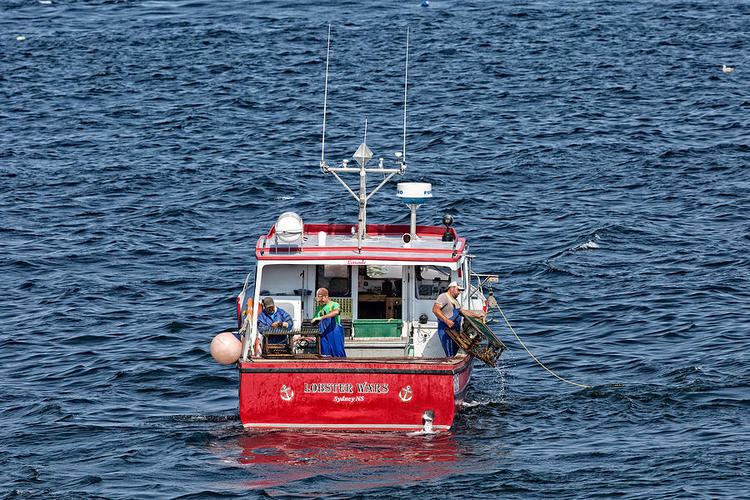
(337, 279)
(432, 281)
(383, 272)
(281, 279)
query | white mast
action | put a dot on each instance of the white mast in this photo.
(406, 85)
(363, 155)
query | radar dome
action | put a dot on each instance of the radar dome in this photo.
(414, 192)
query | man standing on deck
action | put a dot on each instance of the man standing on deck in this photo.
(272, 317)
(447, 311)
(329, 321)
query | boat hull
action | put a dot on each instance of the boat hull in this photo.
(346, 394)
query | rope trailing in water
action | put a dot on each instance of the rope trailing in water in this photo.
(534, 357)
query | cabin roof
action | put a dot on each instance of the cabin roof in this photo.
(383, 243)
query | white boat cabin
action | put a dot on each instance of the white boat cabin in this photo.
(386, 284)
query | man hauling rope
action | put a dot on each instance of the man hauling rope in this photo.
(448, 312)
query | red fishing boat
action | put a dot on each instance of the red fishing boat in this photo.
(396, 374)
(385, 280)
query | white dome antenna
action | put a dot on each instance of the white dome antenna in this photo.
(414, 194)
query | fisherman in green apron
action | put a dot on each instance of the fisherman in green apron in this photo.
(329, 321)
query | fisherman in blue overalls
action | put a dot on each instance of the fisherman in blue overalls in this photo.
(329, 321)
(272, 317)
(447, 311)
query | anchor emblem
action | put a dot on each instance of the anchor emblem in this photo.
(405, 394)
(286, 393)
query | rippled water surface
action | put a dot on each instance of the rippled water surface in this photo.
(594, 153)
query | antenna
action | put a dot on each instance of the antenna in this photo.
(325, 104)
(406, 86)
(362, 156)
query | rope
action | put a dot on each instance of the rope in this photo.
(534, 357)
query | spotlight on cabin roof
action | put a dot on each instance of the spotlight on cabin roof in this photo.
(448, 221)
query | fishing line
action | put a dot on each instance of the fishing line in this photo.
(535, 358)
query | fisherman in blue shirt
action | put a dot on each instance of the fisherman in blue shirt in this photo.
(274, 317)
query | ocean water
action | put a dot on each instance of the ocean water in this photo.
(593, 152)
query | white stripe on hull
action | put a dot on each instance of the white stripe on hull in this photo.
(409, 427)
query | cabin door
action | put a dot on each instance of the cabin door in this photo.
(379, 292)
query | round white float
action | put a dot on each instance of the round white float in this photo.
(226, 348)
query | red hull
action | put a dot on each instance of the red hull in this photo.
(361, 394)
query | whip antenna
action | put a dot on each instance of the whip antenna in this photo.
(406, 86)
(325, 104)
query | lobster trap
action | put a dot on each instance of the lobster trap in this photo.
(477, 339)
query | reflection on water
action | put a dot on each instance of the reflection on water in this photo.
(344, 461)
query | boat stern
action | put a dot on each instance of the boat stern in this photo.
(337, 394)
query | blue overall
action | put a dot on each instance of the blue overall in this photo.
(265, 321)
(331, 338)
(449, 346)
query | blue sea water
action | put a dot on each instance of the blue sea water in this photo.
(593, 151)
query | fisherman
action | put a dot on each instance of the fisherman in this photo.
(448, 313)
(274, 317)
(329, 321)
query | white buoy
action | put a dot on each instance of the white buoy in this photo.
(226, 348)
(21, 38)
(727, 69)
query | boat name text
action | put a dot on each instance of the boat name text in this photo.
(362, 388)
